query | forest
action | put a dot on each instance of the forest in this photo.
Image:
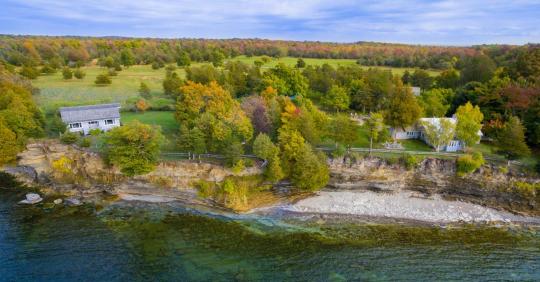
(283, 113)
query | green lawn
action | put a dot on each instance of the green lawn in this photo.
(165, 120)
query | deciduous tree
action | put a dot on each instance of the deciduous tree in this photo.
(469, 123)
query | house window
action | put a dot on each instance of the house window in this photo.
(95, 122)
(75, 125)
(109, 121)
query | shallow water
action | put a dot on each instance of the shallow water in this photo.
(133, 241)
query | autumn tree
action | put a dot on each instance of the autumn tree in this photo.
(265, 149)
(9, 147)
(300, 63)
(134, 147)
(469, 123)
(142, 105)
(478, 68)
(510, 140)
(403, 109)
(440, 133)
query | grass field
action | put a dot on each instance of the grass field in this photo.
(165, 120)
(57, 92)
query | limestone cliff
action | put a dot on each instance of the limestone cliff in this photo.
(489, 185)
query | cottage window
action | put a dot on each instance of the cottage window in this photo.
(75, 125)
(95, 122)
(109, 121)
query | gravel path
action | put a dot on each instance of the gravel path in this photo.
(403, 205)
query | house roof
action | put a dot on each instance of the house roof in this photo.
(92, 112)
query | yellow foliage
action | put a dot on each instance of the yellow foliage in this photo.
(63, 165)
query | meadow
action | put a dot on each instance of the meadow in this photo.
(57, 92)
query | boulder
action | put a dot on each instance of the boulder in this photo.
(57, 201)
(31, 198)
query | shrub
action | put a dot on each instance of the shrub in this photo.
(67, 73)
(112, 72)
(238, 167)
(47, 69)
(162, 104)
(117, 67)
(339, 151)
(85, 142)
(205, 188)
(69, 137)
(410, 161)
(527, 190)
(62, 165)
(103, 79)
(29, 72)
(95, 132)
(79, 74)
(469, 163)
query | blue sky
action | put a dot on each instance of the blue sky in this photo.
(414, 21)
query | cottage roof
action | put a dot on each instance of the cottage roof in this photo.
(88, 113)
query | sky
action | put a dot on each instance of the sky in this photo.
(401, 21)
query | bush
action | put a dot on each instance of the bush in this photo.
(103, 79)
(69, 137)
(339, 151)
(527, 190)
(117, 67)
(46, 69)
(162, 104)
(238, 167)
(205, 188)
(79, 74)
(112, 72)
(469, 163)
(410, 161)
(95, 132)
(85, 142)
(67, 73)
(29, 72)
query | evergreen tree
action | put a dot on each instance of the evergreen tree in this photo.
(510, 140)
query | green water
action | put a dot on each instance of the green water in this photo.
(132, 241)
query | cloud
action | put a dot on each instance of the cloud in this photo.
(413, 21)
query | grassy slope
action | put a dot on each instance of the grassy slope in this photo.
(165, 120)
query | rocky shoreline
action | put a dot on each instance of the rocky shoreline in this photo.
(366, 188)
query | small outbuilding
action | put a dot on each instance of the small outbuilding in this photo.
(85, 118)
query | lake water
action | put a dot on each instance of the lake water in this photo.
(133, 241)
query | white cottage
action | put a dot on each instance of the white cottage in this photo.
(417, 132)
(85, 118)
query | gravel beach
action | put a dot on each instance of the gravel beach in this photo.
(403, 205)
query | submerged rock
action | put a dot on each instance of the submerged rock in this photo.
(73, 202)
(57, 201)
(31, 198)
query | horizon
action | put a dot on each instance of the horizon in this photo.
(420, 22)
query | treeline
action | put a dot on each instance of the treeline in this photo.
(59, 51)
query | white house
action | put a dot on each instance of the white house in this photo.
(417, 132)
(85, 118)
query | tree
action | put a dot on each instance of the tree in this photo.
(67, 73)
(9, 147)
(56, 125)
(477, 68)
(421, 78)
(300, 63)
(337, 98)
(263, 147)
(510, 140)
(127, 58)
(439, 135)
(217, 58)
(144, 91)
(103, 79)
(79, 74)
(436, 101)
(374, 124)
(183, 60)
(142, 105)
(344, 130)
(403, 109)
(448, 79)
(172, 84)
(134, 147)
(469, 123)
